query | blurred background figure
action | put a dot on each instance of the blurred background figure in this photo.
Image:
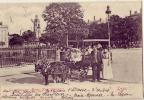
(89, 49)
(58, 50)
(99, 45)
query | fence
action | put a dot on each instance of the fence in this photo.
(16, 56)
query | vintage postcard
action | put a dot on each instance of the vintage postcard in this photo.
(84, 50)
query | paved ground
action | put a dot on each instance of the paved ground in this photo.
(126, 65)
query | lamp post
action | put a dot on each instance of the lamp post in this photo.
(108, 12)
(39, 51)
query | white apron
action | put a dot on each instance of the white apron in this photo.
(107, 69)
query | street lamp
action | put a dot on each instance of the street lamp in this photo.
(108, 12)
(38, 29)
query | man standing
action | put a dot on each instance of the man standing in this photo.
(96, 58)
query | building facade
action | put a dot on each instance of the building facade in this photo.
(3, 35)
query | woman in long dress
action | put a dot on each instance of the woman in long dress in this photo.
(107, 70)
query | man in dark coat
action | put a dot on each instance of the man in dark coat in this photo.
(96, 58)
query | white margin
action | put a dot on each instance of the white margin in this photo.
(41, 1)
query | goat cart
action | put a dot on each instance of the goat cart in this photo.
(75, 67)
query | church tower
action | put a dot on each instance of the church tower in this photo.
(36, 26)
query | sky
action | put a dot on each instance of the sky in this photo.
(18, 15)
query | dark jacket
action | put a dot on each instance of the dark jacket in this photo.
(96, 57)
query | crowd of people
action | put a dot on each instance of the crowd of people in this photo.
(100, 60)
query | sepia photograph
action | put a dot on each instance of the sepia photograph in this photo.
(84, 50)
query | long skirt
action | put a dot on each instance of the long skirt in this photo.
(107, 69)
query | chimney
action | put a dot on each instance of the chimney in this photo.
(130, 12)
(135, 12)
(88, 21)
(94, 18)
(1, 23)
(100, 20)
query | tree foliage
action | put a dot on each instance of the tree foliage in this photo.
(49, 39)
(116, 26)
(98, 31)
(63, 19)
(28, 35)
(16, 40)
(124, 30)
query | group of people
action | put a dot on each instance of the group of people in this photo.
(100, 62)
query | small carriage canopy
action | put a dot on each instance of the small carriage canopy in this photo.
(95, 40)
(91, 40)
(86, 42)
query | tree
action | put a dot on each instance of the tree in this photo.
(116, 25)
(28, 36)
(64, 19)
(134, 28)
(125, 30)
(49, 39)
(98, 31)
(16, 40)
(139, 31)
(121, 30)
